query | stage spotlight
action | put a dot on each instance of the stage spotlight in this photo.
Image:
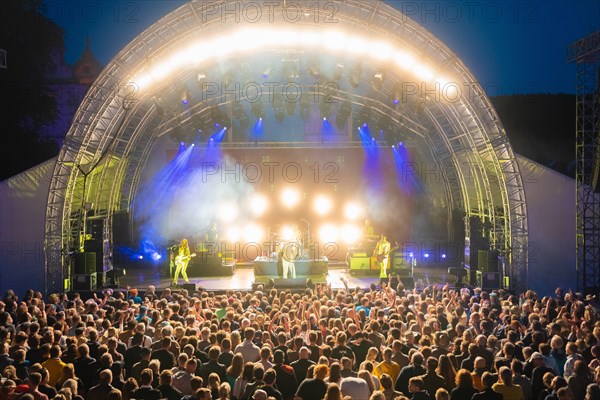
(201, 79)
(185, 97)
(313, 69)
(444, 256)
(411, 254)
(355, 75)
(258, 205)
(426, 255)
(350, 234)
(290, 69)
(353, 211)
(338, 72)
(253, 234)
(233, 234)
(266, 73)
(323, 205)
(287, 233)
(290, 197)
(328, 233)
(377, 81)
(140, 257)
(325, 108)
(397, 93)
(365, 114)
(257, 109)
(227, 212)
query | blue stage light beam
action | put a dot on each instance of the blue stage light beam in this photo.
(258, 131)
(406, 173)
(327, 131)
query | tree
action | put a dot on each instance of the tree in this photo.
(32, 42)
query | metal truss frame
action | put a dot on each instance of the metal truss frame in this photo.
(117, 128)
(585, 53)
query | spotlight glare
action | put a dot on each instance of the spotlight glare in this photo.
(328, 233)
(253, 233)
(258, 204)
(290, 197)
(444, 256)
(287, 233)
(426, 255)
(353, 211)
(404, 60)
(227, 212)
(233, 234)
(423, 72)
(323, 205)
(350, 234)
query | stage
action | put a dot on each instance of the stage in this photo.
(243, 278)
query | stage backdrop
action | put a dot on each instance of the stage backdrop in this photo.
(23, 200)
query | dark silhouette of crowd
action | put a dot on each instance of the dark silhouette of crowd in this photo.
(383, 343)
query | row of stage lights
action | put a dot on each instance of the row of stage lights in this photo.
(289, 199)
(348, 233)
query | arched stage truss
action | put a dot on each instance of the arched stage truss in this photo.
(120, 120)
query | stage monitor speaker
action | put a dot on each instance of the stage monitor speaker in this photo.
(400, 263)
(290, 283)
(488, 260)
(360, 263)
(190, 287)
(84, 263)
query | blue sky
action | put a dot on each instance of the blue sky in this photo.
(510, 46)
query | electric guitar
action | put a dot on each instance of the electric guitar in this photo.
(381, 257)
(181, 258)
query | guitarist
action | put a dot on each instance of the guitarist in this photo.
(181, 262)
(381, 253)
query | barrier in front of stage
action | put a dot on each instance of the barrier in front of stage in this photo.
(268, 266)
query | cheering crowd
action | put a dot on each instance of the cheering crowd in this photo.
(379, 344)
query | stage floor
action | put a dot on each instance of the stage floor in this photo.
(141, 276)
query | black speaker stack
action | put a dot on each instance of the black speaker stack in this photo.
(84, 271)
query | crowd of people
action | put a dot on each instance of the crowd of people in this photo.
(387, 342)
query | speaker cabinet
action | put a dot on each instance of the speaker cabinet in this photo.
(190, 287)
(488, 280)
(290, 283)
(360, 263)
(84, 263)
(84, 281)
(488, 260)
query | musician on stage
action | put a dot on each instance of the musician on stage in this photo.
(368, 236)
(382, 254)
(181, 262)
(212, 235)
(291, 252)
(367, 231)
